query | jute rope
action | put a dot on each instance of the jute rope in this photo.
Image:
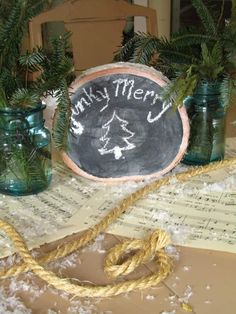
(153, 247)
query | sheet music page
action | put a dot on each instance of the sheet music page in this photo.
(198, 213)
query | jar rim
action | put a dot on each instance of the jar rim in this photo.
(205, 87)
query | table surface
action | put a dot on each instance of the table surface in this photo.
(204, 279)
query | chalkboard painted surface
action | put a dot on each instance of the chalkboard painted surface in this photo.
(120, 128)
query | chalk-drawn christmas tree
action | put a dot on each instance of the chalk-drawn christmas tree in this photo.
(116, 137)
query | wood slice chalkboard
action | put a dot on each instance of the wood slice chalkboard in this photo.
(120, 128)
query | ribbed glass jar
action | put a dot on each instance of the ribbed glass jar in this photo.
(207, 116)
(25, 151)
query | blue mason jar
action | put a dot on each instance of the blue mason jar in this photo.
(207, 115)
(25, 151)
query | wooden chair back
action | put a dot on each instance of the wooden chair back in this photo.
(96, 27)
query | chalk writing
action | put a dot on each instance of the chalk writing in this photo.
(165, 107)
(129, 91)
(89, 97)
(125, 83)
(121, 87)
(76, 127)
(114, 139)
(118, 118)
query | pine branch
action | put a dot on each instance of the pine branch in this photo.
(36, 7)
(32, 61)
(227, 91)
(186, 38)
(24, 98)
(14, 26)
(5, 9)
(221, 14)
(126, 52)
(233, 14)
(210, 67)
(3, 98)
(148, 45)
(9, 82)
(173, 57)
(11, 36)
(57, 73)
(62, 117)
(206, 17)
(178, 89)
(27, 164)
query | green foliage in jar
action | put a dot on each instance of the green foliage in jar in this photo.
(54, 69)
(191, 56)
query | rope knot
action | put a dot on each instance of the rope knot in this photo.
(127, 256)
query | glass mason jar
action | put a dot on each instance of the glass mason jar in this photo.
(25, 151)
(207, 116)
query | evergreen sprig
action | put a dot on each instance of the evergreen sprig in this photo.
(26, 98)
(126, 52)
(52, 72)
(14, 20)
(57, 74)
(32, 60)
(53, 69)
(206, 17)
(188, 37)
(192, 55)
(148, 44)
(207, 68)
(62, 117)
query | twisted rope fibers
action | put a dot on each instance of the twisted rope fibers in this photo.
(144, 250)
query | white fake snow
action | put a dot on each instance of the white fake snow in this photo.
(96, 245)
(9, 303)
(186, 295)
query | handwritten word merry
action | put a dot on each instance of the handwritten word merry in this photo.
(116, 89)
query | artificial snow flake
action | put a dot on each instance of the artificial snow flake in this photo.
(10, 304)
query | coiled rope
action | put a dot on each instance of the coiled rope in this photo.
(153, 247)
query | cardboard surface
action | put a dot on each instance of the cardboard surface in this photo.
(204, 279)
